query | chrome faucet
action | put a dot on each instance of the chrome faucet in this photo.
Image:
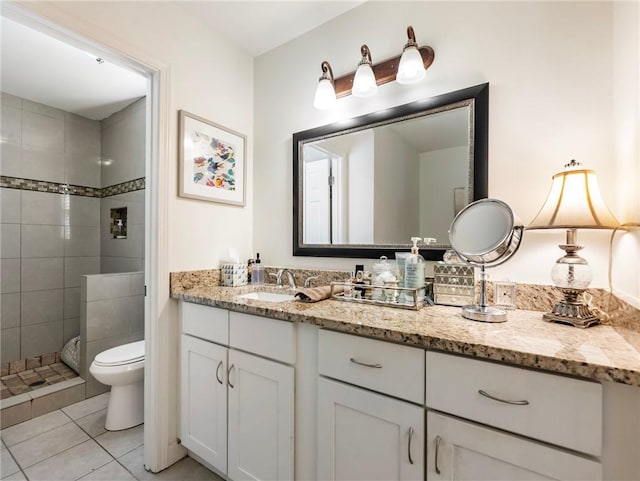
(290, 278)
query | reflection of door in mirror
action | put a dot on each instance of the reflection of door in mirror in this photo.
(323, 183)
(387, 184)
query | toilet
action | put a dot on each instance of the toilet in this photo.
(122, 368)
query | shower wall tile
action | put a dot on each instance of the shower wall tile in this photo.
(136, 283)
(71, 302)
(10, 159)
(107, 318)
(38, 307)
(11, 124)
(110, 265)
(10, 200)
(10, 345)
(71, 328)
(74, 267)
(9, 310)
(42, 131)
(42, 208)
(83, 211)
(82, 241)
(8, 100)
(40, 163)
(102, 287)
(41, 274)
(123, 143)
(40, 338)
(9, 241)
(42, 109)
(9, 275)
(42, 241)
(82, 151)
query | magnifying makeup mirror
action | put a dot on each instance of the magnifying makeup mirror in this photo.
(484, 234)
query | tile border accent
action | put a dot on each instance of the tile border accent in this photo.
(64, 188)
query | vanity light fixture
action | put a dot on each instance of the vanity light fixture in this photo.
(364, 82)
(411, 67)
(325, 92)
(574, 202)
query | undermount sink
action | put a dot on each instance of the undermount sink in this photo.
(267, 296)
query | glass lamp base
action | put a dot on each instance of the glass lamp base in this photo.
(484, 314)
(574, 313)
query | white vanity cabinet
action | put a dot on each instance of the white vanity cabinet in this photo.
(365, 435)
(493, 398)
(237, 408)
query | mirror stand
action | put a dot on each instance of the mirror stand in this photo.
(481, 311)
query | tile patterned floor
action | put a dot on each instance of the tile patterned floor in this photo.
(72, 444)
(30, 379)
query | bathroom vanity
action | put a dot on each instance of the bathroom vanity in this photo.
(287, 390)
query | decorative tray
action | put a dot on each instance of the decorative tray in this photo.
(387, 296)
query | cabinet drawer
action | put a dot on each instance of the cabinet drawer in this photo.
(381, 366)
(205, 322)
(263, 336)
(552, 408)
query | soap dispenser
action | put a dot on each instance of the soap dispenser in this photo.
(414, 269)
(257, 273)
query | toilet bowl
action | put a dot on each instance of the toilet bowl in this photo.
(122, 368)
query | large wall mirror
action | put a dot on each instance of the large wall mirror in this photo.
(364, 187)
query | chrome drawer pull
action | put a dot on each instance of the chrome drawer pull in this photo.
(229, 376)
(438, 439)
(365, 364)
(409, 447)
(506, 401)
(218, 372)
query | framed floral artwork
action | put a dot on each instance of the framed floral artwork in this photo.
(212, 161)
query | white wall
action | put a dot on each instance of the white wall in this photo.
(549, 65)
(360, 169)
(440, 173)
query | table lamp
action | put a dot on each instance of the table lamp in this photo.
(574, 202)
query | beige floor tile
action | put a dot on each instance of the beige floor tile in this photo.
(184, 470)
(71, 464)
(119, 443)
(109, 472)
(8, 466)
(45, 445)
(28, 429)
(15, 477)
(93, 424)
(88, 406)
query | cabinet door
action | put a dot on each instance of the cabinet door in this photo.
(460, 450)
(367, 436)
(203, 415)
(261, 400)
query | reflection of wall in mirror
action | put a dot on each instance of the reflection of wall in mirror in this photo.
(396, 189)
(360, 188)
(451, 165)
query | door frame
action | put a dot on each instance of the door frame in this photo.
(161, 448)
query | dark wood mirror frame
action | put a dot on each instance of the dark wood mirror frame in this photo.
(479, 94)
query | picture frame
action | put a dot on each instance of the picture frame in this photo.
(212, 161)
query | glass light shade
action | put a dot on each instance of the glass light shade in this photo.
(571, 272)
(411, 67)
(364, 83)
(574, 201)
(325, 95)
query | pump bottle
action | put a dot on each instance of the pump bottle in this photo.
(414, 269)
(257, 274)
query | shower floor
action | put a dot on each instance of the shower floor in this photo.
(31, 379)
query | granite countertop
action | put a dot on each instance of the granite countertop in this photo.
(602, 352)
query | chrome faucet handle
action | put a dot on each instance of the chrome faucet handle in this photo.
(307, 281)
(278, 276)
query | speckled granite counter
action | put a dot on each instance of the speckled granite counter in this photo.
(602, 352)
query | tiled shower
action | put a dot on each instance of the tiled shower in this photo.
(62, 174)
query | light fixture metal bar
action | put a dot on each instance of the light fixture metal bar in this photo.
(384, 71)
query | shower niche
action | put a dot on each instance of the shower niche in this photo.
(119, 223)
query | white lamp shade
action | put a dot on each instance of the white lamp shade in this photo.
(325, 95)
(364, 83)
(411, 67)
(574, 201)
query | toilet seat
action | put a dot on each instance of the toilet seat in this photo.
(121, 355)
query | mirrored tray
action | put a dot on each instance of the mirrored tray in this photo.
(387, 296)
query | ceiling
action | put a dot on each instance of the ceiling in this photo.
(43, 69)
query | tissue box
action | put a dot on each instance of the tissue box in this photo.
(233, 275)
